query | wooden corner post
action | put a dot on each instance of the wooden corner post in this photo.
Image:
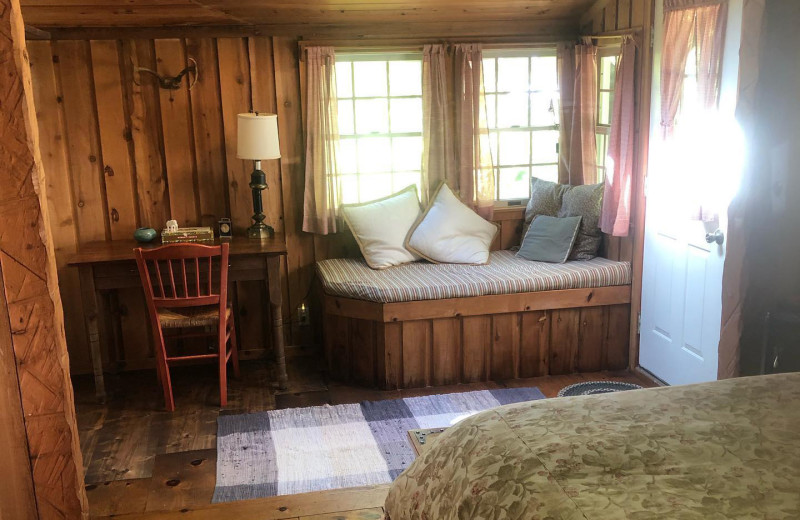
(39, 414)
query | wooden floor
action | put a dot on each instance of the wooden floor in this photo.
(141, 459)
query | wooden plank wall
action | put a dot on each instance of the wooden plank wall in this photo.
(121, 153)
(613, 16)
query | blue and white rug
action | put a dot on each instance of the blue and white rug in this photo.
(283, 452)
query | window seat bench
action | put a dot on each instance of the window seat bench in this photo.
(425, 324)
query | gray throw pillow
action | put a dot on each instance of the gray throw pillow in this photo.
(545, 200)
(550, 239)
(586, 202)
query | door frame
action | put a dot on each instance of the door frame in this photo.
(42, 469)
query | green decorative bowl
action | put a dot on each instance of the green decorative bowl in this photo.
(144, 235)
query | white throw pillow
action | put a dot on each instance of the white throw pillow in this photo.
(451, 233)
(381, 227)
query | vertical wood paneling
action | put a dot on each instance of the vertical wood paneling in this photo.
(50, 115)
(637, 12)
(209, 141)
(416, 353)
(505, 346)
(114, 137)
(234, 72)
(446, 358)
(624, 14)
(300, 245)
(591, 344)
(390, 354)
(610, 22)
(145, 107)
(477, 334)
(534, 348)
(176, 122)
(83, 143)
(362, 348)
(337, 346)
(617, 337)
(262, 80)
(564, 334)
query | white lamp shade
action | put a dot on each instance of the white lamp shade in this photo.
(258, 137)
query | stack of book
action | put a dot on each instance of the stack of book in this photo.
(190, 234)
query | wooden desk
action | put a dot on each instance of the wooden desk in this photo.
(109, 266)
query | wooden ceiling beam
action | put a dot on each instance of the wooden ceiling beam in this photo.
(531, 30)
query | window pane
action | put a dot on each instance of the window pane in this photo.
(406, 115)
(344, 82)
(349, 188)
(491, 111)
(512, 74)
(514, 183)
(372, 116)
(404, 179)
(375, 186)
(601, 154)
(405, 78)
(515, 148)
(608, 69)
(604, 108)
(545, 146)
(374, 155)
(348, 157)
(346, 121)
(407, 153)
(544, 73)
(512, 110)
(547, 173)
(370, 78)
(489, 77)
(543, 109)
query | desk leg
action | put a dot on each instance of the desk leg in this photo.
(90, 297)
(276, 310)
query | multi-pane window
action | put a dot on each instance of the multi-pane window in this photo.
(607, 70)
(380, 124)
(522, 101)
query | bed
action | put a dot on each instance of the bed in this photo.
(727, 449)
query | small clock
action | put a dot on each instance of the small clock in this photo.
(225, 229)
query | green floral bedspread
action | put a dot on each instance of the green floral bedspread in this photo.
(728, 449)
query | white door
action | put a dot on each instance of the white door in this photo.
(682, 272)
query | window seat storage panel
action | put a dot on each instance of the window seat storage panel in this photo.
(488, 337)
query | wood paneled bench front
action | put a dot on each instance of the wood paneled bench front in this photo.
(402, 327)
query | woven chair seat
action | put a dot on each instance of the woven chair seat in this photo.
(184, 317)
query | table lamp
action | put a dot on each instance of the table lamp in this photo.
(258, 141)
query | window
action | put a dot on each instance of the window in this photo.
(607, 71)
(380, 123)
(522, 103)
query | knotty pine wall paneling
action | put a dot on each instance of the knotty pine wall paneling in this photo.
(613, 16)
(122, 153)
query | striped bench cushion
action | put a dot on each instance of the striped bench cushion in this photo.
(504, 274)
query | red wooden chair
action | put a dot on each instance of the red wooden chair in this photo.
(186, 286)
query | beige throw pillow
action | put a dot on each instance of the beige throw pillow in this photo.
(449, 232)
(381, 226)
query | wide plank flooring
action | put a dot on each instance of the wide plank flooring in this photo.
(141, 460)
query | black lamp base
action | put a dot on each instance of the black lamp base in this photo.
(258, 183)
(260, 230)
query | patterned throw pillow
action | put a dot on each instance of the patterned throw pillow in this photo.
(585, 202)
(545, 200)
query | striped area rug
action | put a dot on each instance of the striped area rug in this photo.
(282, 452)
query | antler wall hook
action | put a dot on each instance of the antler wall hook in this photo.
(172, 82)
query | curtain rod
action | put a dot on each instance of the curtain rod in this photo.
(615, 34)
